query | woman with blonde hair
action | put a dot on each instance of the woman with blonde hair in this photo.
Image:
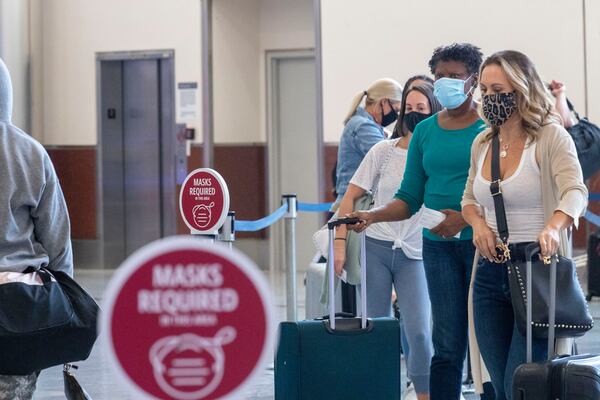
(543, 195)
(363, 127)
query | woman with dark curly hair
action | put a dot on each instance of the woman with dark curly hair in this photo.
(435, 176)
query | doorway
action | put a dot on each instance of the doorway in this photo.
(293, 146)
(137, 146)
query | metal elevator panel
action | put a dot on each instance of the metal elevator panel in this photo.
(113, 194)
(137, 139)
(141, 153)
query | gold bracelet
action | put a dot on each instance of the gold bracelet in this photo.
(340, 238)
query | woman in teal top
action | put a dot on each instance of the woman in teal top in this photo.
(435, 177)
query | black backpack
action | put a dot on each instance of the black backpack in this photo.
(586, 136)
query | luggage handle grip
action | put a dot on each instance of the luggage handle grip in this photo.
(342, 221)
(363, 272)
(532, 249)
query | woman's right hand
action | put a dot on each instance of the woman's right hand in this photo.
(557, 88)
(365, 217)
(484, 240)
(339, 256)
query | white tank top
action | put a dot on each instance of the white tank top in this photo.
(522, 194)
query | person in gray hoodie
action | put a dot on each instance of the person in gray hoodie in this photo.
(34, 222)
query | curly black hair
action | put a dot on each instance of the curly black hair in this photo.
(466, 53)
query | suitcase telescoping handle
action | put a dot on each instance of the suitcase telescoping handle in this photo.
(531, 251)
(331, 225)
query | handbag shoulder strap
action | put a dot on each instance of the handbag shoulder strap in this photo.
(497, 192)
(572, 108)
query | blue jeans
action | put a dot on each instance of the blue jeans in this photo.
(502, 347)
(387, 266)
(448, 266)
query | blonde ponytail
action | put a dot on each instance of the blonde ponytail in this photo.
(381, 88)
(355, 103)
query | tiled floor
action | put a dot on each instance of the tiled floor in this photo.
(97, 378)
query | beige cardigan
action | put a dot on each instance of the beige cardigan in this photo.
(562, 189)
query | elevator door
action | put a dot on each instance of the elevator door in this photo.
(141, 155)
(138, 154)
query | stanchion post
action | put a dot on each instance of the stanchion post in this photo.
(290, 254)
(227, 231)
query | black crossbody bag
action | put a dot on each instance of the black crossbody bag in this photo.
(572, 315)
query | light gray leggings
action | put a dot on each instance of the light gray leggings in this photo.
(17, 387)
(387, 266)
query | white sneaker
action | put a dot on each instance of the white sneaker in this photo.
(409, 393)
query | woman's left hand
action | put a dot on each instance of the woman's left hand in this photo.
(449, 227)
(549, 239)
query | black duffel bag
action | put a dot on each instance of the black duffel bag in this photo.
(586, 136)
(46, 319)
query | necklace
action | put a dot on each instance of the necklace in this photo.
(505, 147)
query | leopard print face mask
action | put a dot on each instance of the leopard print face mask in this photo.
(498, 107)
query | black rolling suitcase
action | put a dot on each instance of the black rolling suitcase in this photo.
(593, 265)
(558, 378)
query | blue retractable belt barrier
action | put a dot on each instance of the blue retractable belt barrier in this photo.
(314, 207)
(593, 218)
(252, 226)
(594, 196)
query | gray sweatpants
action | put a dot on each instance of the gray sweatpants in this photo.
(386, 267)
(17, 387)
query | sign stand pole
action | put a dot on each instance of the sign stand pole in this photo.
(290, 254)
(227, 231)
(212, 237)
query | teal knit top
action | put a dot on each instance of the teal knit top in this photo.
(437, 168)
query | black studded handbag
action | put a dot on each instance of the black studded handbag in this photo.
(572, 315)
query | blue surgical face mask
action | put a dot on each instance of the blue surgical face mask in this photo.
(451, 92)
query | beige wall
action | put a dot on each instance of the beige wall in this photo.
(243, 31)
(391, 38)
(235, 70)
(285, 25)
(14, 50)
(356, 50)
(592, 8)
(70, 32)
(74, 30)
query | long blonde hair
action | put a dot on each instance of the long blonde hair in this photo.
(534, 102)
(380, 89)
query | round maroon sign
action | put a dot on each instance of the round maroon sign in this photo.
(185, 319)
(204, 200)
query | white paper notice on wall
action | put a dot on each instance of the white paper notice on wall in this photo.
(187, 93)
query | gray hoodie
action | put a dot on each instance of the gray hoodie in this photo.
(34, 222)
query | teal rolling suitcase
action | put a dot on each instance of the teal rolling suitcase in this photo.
(339, 358)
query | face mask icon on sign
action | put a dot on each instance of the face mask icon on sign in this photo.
(189, 366)
(202, 214)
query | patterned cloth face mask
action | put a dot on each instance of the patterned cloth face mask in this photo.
(499, 107)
